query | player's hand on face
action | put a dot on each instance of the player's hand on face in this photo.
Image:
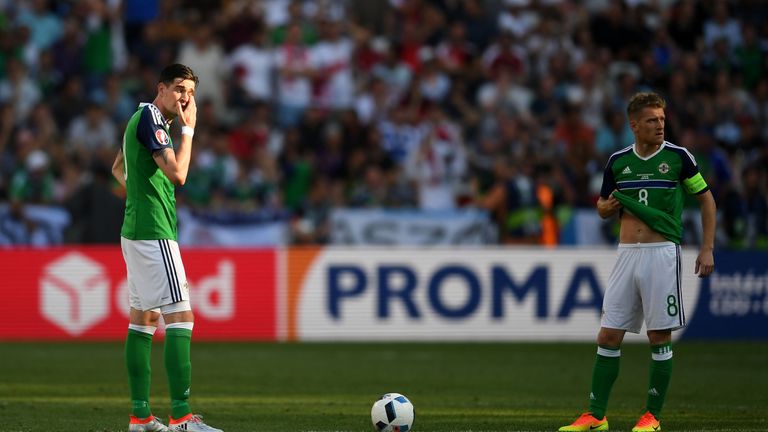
(188, 113)
(705, 264)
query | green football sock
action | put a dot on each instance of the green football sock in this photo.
(178, 367)
(659, 377)
(138, 349)
(604, 374)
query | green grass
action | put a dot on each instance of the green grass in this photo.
(330, 387)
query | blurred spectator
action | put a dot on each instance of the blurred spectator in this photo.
(137, 14)
(34, 183)
(439, 163)
(455, 53)
(518, 18)
(296, 69)
(18, 89)
(117, 103)
(685, 25)
(481, 28)
(46, 27)
(504, 56)
(95, 208)
(506, 93)
(93, 133)
(204, 54)
(399, 137)
(334, 85)
(251, 66)
(253, 134)
(294, 16)
(68, 50)
(296, 171)
(745, 213)
(721, 26)
(47, 76)
(614, 135)
(395, 73)
(577, 141)
(311, 225)
(104, 47)
(750, 57)
(433, 83)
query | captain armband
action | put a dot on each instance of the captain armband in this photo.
(695, 184)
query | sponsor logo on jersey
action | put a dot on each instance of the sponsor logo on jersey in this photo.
(627, 171)
(161, 136)
(663, 168)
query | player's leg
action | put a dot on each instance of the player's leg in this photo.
(605, 369)
(621, 312)
(604, 374)
(179, 322)
(138, 350)
(178, 366)
(663, 304)
(138, 342)
(659, 376)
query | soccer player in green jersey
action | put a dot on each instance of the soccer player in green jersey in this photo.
(149, 168)
(644, 184)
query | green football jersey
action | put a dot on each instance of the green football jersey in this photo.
(150, 207)
(654, 186)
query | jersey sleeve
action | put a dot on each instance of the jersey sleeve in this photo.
(151, 132)
(690, 177)
(609, 183)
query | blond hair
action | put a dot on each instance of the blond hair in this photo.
(644, 100)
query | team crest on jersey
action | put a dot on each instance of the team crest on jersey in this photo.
(161, 136)
(663, 168)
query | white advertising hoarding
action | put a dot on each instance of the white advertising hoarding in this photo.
(458, 294)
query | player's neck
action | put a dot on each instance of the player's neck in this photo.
(169, 116)
(646, 149)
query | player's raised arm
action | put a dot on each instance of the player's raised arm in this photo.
(175, 165)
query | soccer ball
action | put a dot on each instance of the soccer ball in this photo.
(393, 412)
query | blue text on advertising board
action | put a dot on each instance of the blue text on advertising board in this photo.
(399, 283)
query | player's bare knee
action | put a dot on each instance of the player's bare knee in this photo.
(610, 337)
(178, 312)
(144, 318)
(658, 337)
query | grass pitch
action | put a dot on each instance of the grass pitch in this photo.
(331, 386)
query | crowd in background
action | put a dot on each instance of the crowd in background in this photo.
(512, 106)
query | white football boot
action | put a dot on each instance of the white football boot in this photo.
(149, 424)
(191, 423)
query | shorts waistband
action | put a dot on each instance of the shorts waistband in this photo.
(647, 245)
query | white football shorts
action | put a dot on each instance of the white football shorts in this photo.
(156, 276)
(645, 283)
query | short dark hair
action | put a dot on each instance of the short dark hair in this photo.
(644, 100)
(177, 70)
